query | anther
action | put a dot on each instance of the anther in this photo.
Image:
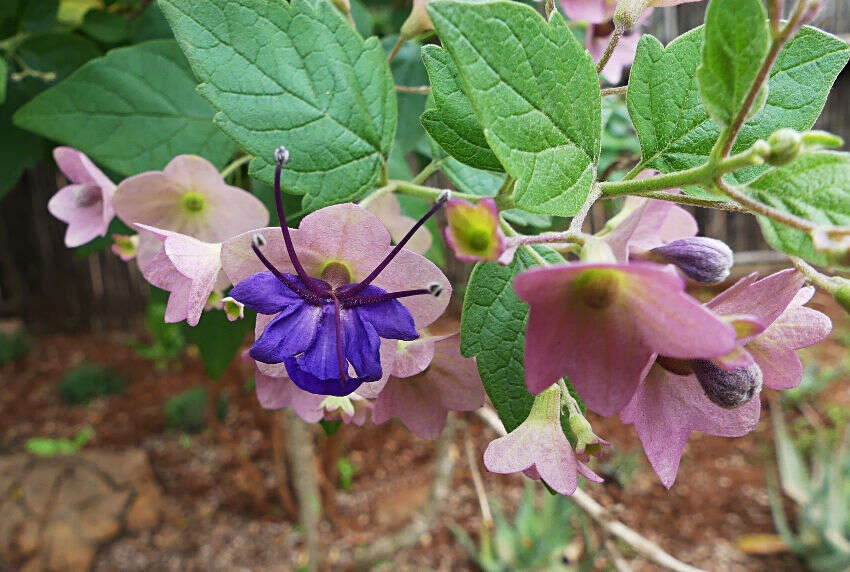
(435, 289)
(281, 155)
(258, 240)
(444, 196)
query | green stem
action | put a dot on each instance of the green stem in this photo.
(505, 195)
(11, 43)
(430, 193)
(377, 193)
(609, 49)
(820, 280)
(429, 170)
(692, 201)
(227, 171)
(702, 175)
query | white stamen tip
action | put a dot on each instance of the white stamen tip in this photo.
(435, 289)
(281, 155)
(444, 196)
(259, 240)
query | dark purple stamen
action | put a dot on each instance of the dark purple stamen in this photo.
(342, 372)
(366, 300)
(441, 200)
(308, 295)
(281, 157)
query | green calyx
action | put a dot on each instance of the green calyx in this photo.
(193, 202)
(598, 288)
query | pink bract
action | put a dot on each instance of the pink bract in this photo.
(387, 208)
(87, 203)
(601, 325)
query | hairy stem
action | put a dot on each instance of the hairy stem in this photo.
(444, 462)
(819, 279)
(615, 90)
(413, 88)
(302, 465)
(430, 193)
(235, 164)
(599, 514)
(727, 139)
(609, 49)
(398, 44)
(429, 170)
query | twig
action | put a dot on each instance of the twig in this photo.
(440, 487)
(615, 90)
(277, 421)
(302, 465)
(619, 562)
(478, 482)
(609, 49)
(226, 172)
(597, 512)
(398, 44)
(413, 88)
(779, 41)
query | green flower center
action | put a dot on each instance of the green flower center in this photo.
(193, 202)
(336, 273)
(598, 288)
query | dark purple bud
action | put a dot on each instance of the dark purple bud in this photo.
(728, 389)
(705, 260)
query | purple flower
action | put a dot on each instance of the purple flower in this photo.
(667, 408)
(429, 379)
(702, 259)
(323, 317)
(85, 204)
(601, 325)
(539, 448)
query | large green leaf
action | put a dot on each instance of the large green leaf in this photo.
(132, 110)
(453, 124)
(536, 93)
(298, 75)
(675, 130)
(493, 330)
(737, 39)
(815, 187)
(408, 70)
(219, 340)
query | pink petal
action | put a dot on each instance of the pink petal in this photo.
(387, 208)
(79, 169)
(593, 11)
(765, 299)
(666, 408)
(273, 392)
(84, 223)
(414, 404)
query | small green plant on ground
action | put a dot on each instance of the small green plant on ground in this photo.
(13, 346)
(88, 381)
(543, 527)
(346, 469)
(820, 490)
(167, 340)
(49, 447)
(186, 411)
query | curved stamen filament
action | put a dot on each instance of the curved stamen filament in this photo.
(359, 288)
(281, 158)
(366, 300)
(342, 372)
(308, 295)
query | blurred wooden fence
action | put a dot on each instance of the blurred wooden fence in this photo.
(53, 290)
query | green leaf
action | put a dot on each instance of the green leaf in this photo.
(218, 339)
(4, 75)
(408, 70)
(676, 132)
(362, 18)
(493, 331)
(28, 148)
(536, 93)
(151, 25)
(453, 124)
(106, 27)
(61, 53)
(297, 75)
(815, 187)
(737, 39)
(132, 110)
(38, 16)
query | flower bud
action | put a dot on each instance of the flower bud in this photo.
(785, 146)
(587, 442)
(728, 389)
(629, 12)
(233, 309)
(418, 22)
(125, 246)
(473, 230)
(842, 295)
(705, 260)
